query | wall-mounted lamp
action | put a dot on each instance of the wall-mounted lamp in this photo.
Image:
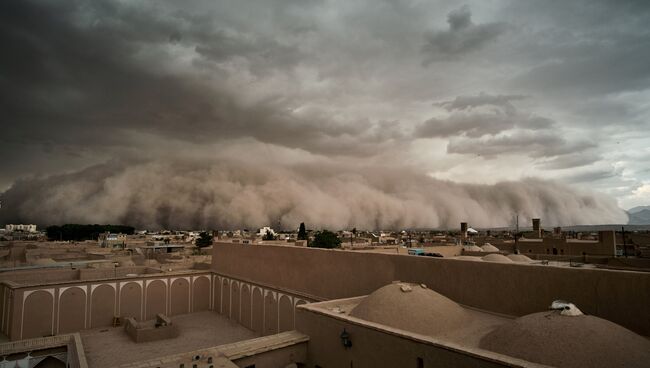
(345, 339)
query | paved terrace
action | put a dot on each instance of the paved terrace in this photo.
(110, 347)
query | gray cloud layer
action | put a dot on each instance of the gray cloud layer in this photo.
(462, 38)
(142, 90)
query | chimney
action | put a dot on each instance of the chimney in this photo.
(536, 228)
(463, 230)
(607, 239)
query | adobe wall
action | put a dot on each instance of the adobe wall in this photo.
(260, 308)
(72, 306)
(514, 289)
(373, 348)
(38, 276)
(76, 353)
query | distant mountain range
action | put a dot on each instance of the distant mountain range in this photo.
(638, 209)
(639, 215)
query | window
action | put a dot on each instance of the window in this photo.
(420, 363)
(209, 360)
(250, 366)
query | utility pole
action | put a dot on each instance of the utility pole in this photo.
(517, 233)
(624, 243)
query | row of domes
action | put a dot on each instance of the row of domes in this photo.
(551, 338)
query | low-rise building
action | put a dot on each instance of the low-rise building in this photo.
(20, 227)
(112, 239)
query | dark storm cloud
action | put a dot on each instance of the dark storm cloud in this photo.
(591, 176)
(462, 37)
(482, 99)
(256, 110)
(572, 160)
(491, 126)
(608, 66)
(532, 144)
(585, 48)
(96, 65)
(479, 115)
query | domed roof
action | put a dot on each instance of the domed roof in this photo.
(519, 258)
(494, 257)
(411, 307)
(487, 247)
(569, 341)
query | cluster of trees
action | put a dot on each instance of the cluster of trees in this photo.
(79, 232)
(268, 235)
(325, 239)
(302, 232)
(322, 239)
(204, 240)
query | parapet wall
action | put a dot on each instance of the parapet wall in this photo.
(71, 306)
(49, 276)
(514, 289)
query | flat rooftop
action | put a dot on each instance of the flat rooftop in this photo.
(110, 347)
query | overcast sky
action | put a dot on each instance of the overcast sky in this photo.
(474, 92)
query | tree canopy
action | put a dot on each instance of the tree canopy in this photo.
(302, 232)
(268, 235)
(204, 240)
(325, 239)
(84, 232)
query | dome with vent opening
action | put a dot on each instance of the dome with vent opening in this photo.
(554, 339)
(411, 307)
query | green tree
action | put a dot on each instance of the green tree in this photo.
(325, 239)
(203, 240)
(268, 235)
(302, 232)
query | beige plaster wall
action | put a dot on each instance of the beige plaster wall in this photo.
(262, 309)
(70, 307)
(372, 348)
(514, 289)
